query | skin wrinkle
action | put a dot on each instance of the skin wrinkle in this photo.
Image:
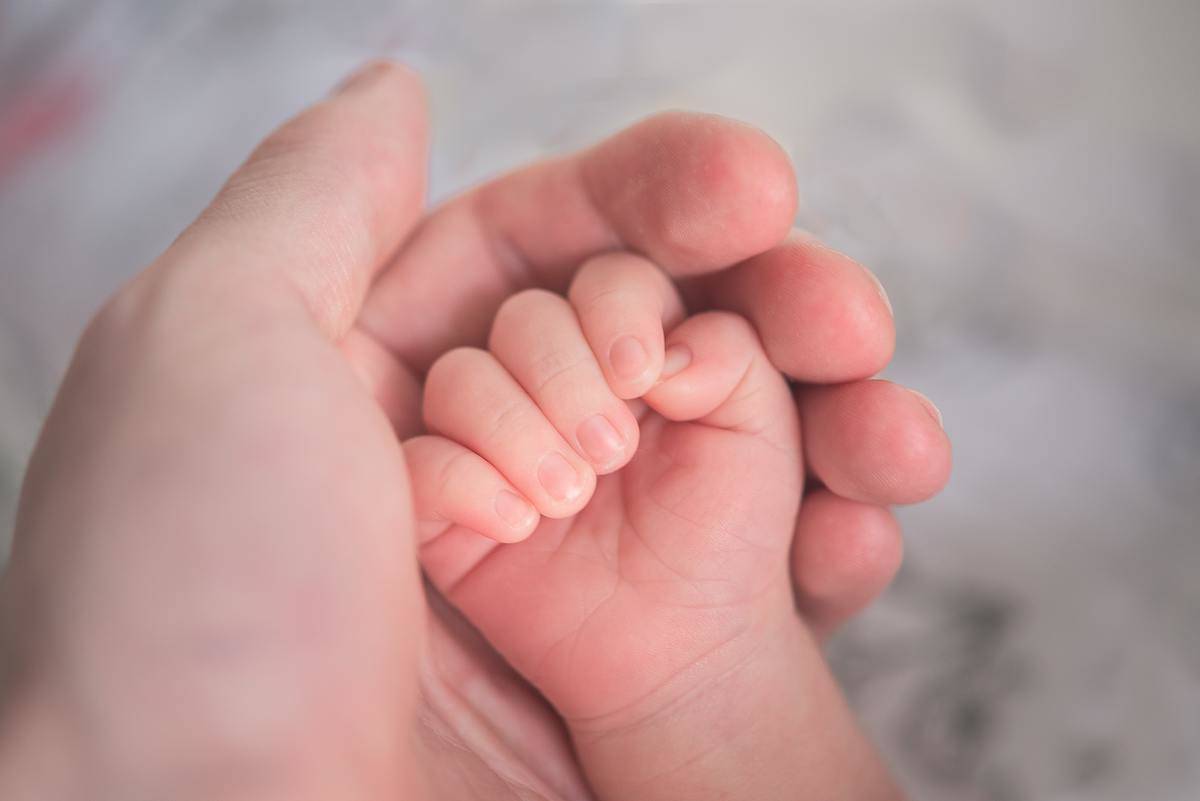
(671, 509)
(583, 180)
(514, 410)
(591, 537)
(448, 475)
(453, 586)
(722, 531)
(519, 269)
(739, 395)
(516, 270)
(609, 544)
(343, 235)
(432, 538)
(595, 299)
(583, 624)
(735, 396)
(635, 583)
(559, 372)
(670, 568)
(660, 296)
(594, 729)
(574, 635)
(537, 668)
(458, 582)
(434, 686)
(508, 417)
(464, 755)
(575, 722)
(713, 745)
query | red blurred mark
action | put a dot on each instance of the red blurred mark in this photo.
(45, 110)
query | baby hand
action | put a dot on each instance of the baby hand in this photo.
(609, 567)
(621, 564)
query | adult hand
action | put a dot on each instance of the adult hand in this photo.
(213, 590)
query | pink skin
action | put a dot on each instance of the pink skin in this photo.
(681, 471)
(646, 600)
(241, 614)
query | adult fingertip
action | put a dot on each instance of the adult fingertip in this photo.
(845, 554)
(882, 292)
(875, 441)
(858, 314)
(742, 199)
(920, 451)
(820, 314)
(732, 194)
(844, 549)
(934, 412)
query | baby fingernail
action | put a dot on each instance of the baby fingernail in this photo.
(677, 358)
(628, 358)
(600, 440)
(513, 509)
(559, 478)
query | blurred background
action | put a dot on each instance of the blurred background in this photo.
(1024, 177)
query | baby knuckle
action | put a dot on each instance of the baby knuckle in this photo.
(457, 469)
(552, 367)
(511, 421)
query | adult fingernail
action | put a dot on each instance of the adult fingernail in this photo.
(934, 411)
(600, 440)
(513, 509)
(882, 292)
(628, 358)
(361, 76)
(676, 360)
(559, 478)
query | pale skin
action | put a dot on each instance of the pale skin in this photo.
(214, 588)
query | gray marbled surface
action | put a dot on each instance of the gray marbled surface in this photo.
(1023, 176)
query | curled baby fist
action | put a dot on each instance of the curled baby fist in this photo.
(522, 430)
(609, 494)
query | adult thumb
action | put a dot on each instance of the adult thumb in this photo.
(322, 203)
